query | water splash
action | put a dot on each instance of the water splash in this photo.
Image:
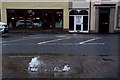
(34, 64)
(66, 68)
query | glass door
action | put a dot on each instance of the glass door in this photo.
(78, 23)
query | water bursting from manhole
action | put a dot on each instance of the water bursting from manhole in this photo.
(35, 64)
(66, 68)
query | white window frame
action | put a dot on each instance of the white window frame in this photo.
(81, 31)
(118, 18)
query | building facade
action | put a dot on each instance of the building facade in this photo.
(36, 14)
(83, 16)
(0, 9)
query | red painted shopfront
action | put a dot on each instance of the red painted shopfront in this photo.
(35, 18)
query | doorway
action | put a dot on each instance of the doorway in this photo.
(78, 21)
(104, 17)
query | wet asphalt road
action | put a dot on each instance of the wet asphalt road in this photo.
(77, 44)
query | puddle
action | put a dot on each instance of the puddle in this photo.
(42, 66)
(54, 66)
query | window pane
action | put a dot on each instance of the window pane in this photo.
(38, 19)
(30, 18)
(118, 22)
(48, 19)
(119, 18)
(73, 12)
(19, 18)
(83, 12)
(48, 15)
(85, 23)
(71, 22)
(11, 18)
(58, 19)
(78, 27)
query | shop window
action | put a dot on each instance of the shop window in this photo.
(48, 15)
(48, 19)
(85, 23)
(119, 17)
(73, 12)
(33, 19)
(71, 22)
(19, 19)
(30, 18)
(58, 19)
(11, 18)
(38, 19)
(83, 12)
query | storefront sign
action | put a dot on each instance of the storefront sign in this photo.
(79, 20)
(97, 1)
(46, 5)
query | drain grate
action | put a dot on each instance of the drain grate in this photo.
(107, 59)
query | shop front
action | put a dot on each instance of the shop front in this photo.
(105, 18)
(35, 18)
(78, 21)
(36, 15)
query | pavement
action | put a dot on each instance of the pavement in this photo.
(80, 66)
(58, 31)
